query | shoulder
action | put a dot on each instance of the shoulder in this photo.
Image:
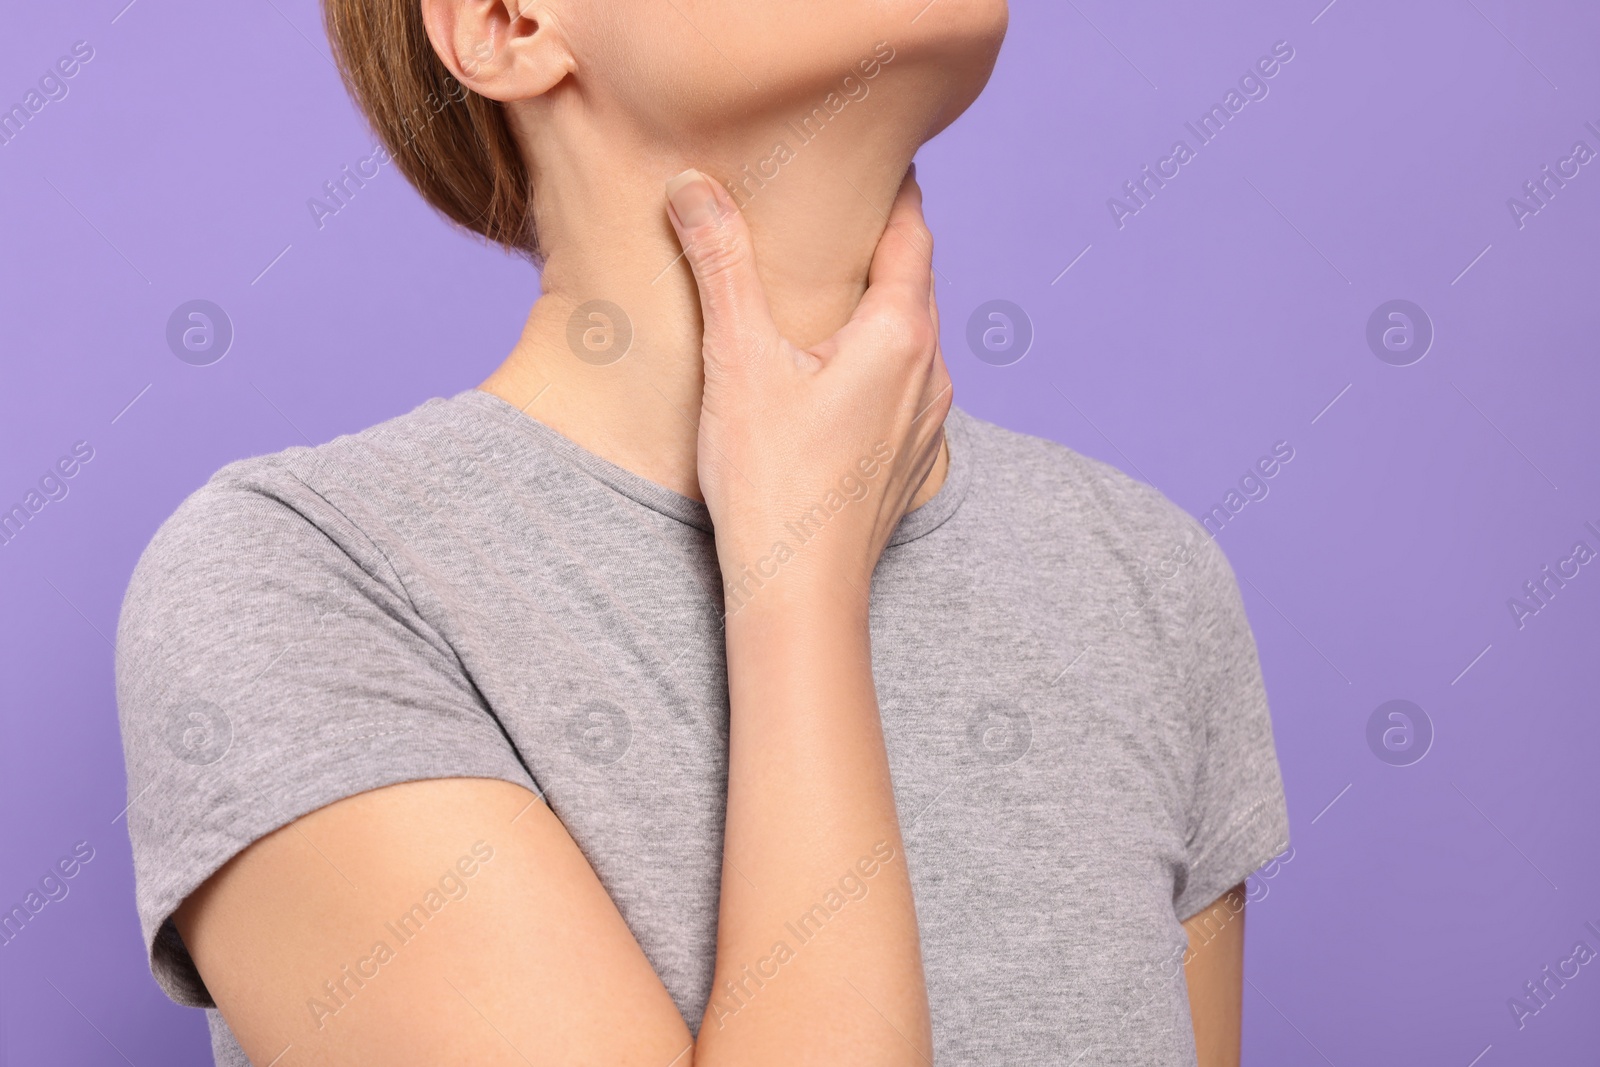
(1039, 481)
(260, 498)
(1094, 538)
(279, 526)
(270, 660)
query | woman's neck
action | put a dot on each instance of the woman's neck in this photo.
(817, 210)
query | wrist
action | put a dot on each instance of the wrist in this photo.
(794, 641)
(805, 583)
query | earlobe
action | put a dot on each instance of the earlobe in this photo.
(505, 50)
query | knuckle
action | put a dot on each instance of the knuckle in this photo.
(917, 237)
(719, 251)
(906, 330)
(937, 410)
(890, 337)
(917, 336)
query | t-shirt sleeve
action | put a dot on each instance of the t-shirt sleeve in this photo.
(270, 662)
(1238, 818)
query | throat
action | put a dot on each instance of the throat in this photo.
(610, 354)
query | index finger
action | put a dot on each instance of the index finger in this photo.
(904, 256)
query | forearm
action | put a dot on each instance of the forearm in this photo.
(817, 955)
(1214, 971)
(817, 919)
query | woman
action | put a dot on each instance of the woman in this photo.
(702, 687)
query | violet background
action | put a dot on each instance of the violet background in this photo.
(1224, 317)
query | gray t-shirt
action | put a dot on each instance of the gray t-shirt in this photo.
(1074, 714)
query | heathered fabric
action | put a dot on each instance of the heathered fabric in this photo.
(1075, 718)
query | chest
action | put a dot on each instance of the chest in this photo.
(1038, 742)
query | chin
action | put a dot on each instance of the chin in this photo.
(955, 43)
(966, 33)
(944, 51)
(962, 26)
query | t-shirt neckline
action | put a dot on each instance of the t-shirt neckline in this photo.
(529, 430)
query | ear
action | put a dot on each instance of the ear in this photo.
(505, 50)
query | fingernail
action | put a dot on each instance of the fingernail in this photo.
(691, 197)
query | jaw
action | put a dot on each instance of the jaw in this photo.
(738, 66)
(809, 118)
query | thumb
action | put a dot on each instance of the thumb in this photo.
(716, 242)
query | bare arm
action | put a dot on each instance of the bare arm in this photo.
(816, 899)
(817, 951)
(1214, 970)
(526, 960)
